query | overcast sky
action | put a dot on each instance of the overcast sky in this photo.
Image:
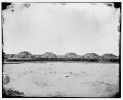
(80, 28)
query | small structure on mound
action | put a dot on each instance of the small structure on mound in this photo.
(71, 55)
(23, 54)
(48, 55)
(110, 57)
(91, 57)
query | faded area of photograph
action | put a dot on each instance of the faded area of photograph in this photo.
(61, 50)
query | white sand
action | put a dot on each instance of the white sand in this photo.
(64, 79)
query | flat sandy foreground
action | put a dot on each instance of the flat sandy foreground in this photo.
(58, 79)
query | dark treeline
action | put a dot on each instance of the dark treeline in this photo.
(64, 59)
(49, 56)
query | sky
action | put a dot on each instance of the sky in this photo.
(47, 27)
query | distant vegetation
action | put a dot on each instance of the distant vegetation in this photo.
(49, 56)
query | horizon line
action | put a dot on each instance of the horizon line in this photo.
(63, 54)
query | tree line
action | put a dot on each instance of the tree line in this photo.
(64, 59)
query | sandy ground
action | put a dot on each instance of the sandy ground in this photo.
(58, 79)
